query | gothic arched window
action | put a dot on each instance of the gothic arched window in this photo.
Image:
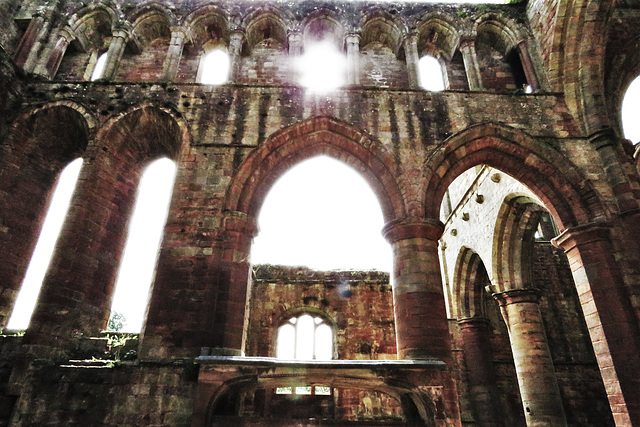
(305, 337)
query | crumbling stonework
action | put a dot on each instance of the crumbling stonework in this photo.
(502, 340)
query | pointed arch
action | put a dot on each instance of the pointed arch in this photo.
(469, 281)
(438, 35)
(565, 192)
(320, 135)
(266, 22)
(380, 27)
(42, 142)
(208, 25)
(513, 239)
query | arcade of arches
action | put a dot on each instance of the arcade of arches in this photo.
(511, 201)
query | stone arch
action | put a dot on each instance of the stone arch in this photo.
(95, 231)
(266, 23)
(469, 292)
(620, 72)
(513, 239)
(506, 33)
(209, 26)
(323, 25)
(565, 192)
(42, 143)
(416, 405)
(321, 135)
(92, 25)
(438, 35)
(380, 27)
(150, 23)
(571, 65)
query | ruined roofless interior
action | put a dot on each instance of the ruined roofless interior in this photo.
(510, 197)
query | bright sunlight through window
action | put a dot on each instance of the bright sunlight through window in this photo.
(145, 235)
(28, 295)
(431, 73)
(324, 215)
(215, 68)
(631, 112)
(98, 69)
(305, 338)
(322, 67)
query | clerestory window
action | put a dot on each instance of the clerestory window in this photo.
(305, 337)
(214, 68)
(431, 77)
(630, 108)
(98, 69)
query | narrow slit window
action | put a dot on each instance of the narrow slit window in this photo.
(431, 73)
(143, 241)
(28, 295)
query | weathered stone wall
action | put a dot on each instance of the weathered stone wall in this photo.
(359, 305)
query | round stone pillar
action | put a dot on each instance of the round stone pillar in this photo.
(536, 377)
(470, 60)
(116, 49)
(353, 59)
(236, 40)
(421, 320)
(479, 360)
(295, 51)
(412, 58)
(179, 35)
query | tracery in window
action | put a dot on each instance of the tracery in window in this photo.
(214, 68)
(28, 295)
(305, 337)
(98, 69)
(145, 234)
(630, 109)
(431, 73)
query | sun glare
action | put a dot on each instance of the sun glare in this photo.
(28, 295)
(215, 68)
(631, 112)
(145, 235)
(322, 68)
(324, 215)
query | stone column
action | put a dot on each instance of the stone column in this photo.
(43, 28)
(119, 40)
(295, 51)
(412, 58)
(353, 59)
(30, 39)
(536, 377)
(236, 40)
(231, 316)
(179, 36)
(609, 314)
(482, 381)
(421, 320)
(527, 65)
(50, 68)
(471, 66)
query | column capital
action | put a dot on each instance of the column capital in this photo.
(411, 228)
(237, 33)
(178, 31)
(602, 138)
(352, 38)
(467, 41)
(581, 234)
(66, 33)
(410, 37)
(474, 322)
(515, 296)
